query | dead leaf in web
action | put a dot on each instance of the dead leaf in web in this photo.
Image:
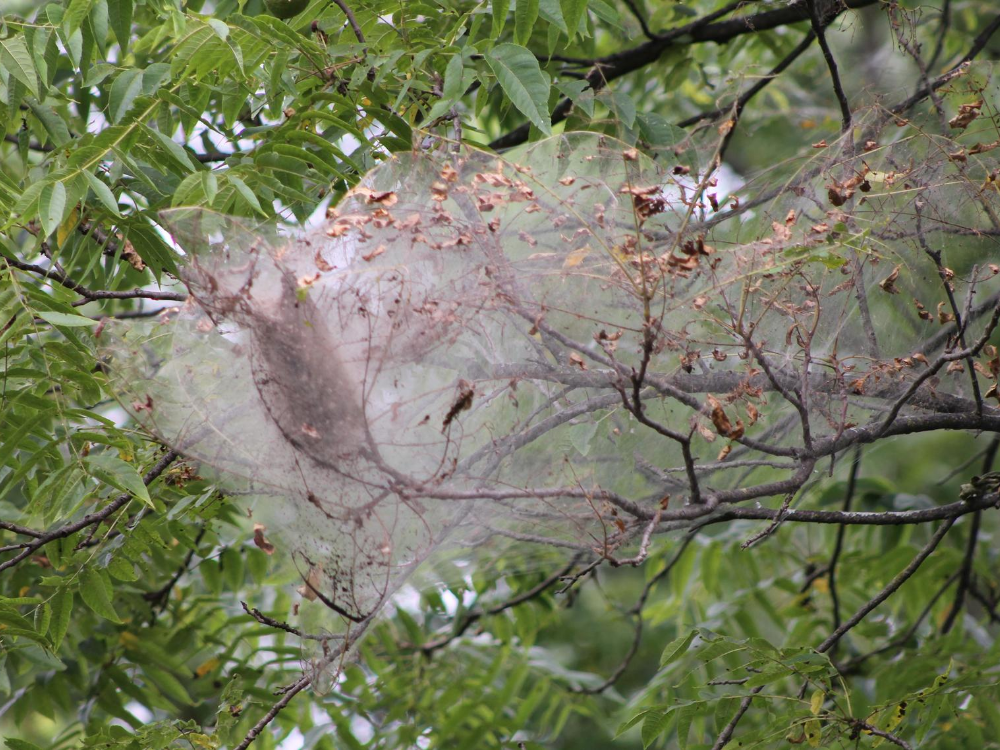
(721, 420)
(321, 263)
(966, 114)
(463, 402)
(646, 200)
(313, 580)
(260, 540)
(383, 197)
(944, 317)
(888, 284)
(576, 257)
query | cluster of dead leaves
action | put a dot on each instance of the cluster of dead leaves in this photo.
(646, 201)
(966, 114)
(841, 192)
(721, 421)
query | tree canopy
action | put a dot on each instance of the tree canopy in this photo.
(537, 373)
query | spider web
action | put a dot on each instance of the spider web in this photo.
(448, 359)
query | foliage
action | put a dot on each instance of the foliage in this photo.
(691, 606)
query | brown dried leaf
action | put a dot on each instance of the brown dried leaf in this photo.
(321, 263)
(382, 197)
(705, 432)
(260, 540)
(722, 424)
(944, 317)
(888, 284)
(463, 402)
(966, 114)
(311, 585)
(577, 360)
(129, 254)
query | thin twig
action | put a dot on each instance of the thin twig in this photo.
(970, 547)
(91, 518)
(727, 732)
(902, 577)
(838, 546)
(831, 63)
(351, 20)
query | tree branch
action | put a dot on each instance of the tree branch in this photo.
(91, 519)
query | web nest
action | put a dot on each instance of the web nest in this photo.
(570, 346)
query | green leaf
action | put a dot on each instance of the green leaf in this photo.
(43, 618)
(685, 716)
(552, 12)
(621, 104)
(15, 58)
(660, 132)
(54, 125)
(21, 745)
(173, 149)
(522, 81)
(655, 724)
(525, 16)
(453, 75)
(232, 567)
(74, 15)
(120, 16)
(772, 674)
(103, 193)
(119, 474)
(245, 193)
(169, 684)
(573, 11)
(51, 205)
(65, 319)
(677, 648)
(62, 609)
(125, 89)
(816, 701)
(499, 9)
(580, 93)
(95, 595)
(122, 569)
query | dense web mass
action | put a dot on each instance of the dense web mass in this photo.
(571, 345)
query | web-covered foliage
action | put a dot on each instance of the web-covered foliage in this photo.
(573, 345)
